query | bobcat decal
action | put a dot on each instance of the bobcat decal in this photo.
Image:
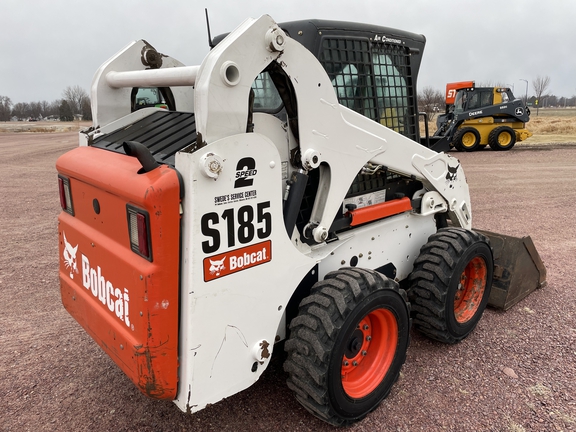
(452, 175)
(69, 254)
(217, 266)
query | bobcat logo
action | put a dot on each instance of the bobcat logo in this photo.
(452, 173)
(70, 257)
(217, 266)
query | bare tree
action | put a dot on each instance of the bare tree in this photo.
(35, 110)
(21, 110)
(45, 108)
(54, 108)
(430, 101)
(540, 85)
(75, 96)
(5, 108)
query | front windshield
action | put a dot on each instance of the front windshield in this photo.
(460, 101)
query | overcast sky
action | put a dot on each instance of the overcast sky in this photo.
(47, 45)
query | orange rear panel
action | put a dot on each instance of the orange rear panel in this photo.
(452, 89)
(127, 303)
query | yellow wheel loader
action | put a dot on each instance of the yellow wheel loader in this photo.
(268, 202)
(479, 116)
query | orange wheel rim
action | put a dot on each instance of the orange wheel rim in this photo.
(470, 291)
(369, 353)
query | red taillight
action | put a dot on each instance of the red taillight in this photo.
(62, 193)
(65, 195)
(139, 232)
(142, 235)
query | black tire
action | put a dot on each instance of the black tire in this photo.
(450, 284)
(330, 367)
(467, 139)
(502, 138)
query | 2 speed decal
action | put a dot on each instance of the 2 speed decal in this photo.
(245, 172)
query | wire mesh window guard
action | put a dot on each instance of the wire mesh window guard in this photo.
(373, 79)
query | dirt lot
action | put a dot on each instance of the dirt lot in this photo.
(516, 372)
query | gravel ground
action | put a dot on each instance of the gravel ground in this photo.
(516, 371)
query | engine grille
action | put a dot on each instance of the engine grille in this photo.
(164, 133)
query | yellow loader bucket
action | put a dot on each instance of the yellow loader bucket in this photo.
(518, 269)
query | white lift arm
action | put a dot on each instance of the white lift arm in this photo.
(329, 132)
(331, 135)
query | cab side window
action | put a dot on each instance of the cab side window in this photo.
(486, 98)
(391, 92)
(266, 96)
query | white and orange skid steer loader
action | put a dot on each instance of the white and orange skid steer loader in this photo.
(277, 192)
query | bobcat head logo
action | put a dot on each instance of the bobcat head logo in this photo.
(70, 257)
(217, 266)
(452, 173)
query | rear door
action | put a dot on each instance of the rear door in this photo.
(119, 238)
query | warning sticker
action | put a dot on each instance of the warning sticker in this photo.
(365, 200)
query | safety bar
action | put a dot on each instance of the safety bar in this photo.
(167, 77)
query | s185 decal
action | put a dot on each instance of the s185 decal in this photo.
(240, 225)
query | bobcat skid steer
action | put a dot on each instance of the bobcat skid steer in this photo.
(281, 195)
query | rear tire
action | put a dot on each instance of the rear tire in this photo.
(502, 138)
(467, 139)
(451, 283)
(347, 344)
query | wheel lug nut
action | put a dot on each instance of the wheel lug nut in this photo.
(366, 327)
(346, 363)
(354, 363)
(364, 353)
(368, 338)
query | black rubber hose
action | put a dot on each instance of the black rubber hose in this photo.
(142, 153)
(297, 183)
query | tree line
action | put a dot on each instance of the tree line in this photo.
(432, 101)
(75, 101)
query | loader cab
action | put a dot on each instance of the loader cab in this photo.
(469, 99)
(373, 70)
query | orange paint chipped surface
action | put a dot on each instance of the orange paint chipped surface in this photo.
(128, 304)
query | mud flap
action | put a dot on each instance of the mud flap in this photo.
(518, 269)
